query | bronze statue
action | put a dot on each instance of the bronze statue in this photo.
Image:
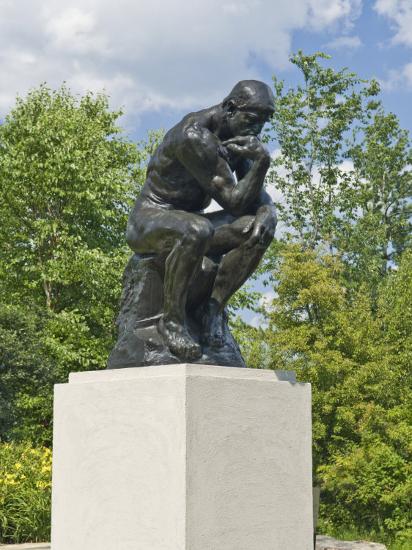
(187, 263)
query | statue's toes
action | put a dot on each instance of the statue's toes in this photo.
(191, 351)
(179, 342)
(196, 353)
(185, 348)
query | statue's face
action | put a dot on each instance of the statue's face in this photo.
(249, 120)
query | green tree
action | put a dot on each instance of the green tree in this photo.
(310, 125)
(343, 169)
(68, 177)
(375, 205)
(368, 479)
(67, 180)
(25, 375)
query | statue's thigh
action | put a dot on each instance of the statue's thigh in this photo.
(155, 230)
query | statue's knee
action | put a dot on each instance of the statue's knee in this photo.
(199, 232)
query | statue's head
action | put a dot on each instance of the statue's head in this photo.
(248, 106)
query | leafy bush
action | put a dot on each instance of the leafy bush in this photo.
(25, 493)
(370, 487)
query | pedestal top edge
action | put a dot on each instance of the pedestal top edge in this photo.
(181, 370)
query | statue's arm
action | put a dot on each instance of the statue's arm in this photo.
(264, 202)
(199, 153)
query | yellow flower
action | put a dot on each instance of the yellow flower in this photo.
(42, 485)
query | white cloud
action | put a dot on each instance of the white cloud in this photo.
(407, 73)
(152, 54)
(326, 12)
(267, 298)
(344, 42)
(347, 166)
(400, 14)
(256, 321)
(398, 78)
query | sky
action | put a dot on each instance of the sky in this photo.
(159, 59)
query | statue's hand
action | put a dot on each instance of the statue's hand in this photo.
(249, 147)
(263, 227)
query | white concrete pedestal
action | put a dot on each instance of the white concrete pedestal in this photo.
(182, 457)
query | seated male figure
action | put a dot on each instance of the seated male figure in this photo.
(211, 154)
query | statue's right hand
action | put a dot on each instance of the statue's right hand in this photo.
(249, 147)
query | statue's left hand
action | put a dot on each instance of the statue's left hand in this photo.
(263, 226)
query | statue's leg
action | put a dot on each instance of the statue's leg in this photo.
(240, 259)
(235, 268)
(184, 238)
(201, 287)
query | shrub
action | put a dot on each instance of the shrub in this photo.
(25, 493)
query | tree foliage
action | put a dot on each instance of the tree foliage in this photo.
(68, 177)
(343, 167)
(374, 225)
(66, 185)
(310, 124)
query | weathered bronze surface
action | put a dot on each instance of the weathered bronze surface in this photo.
(187, 263)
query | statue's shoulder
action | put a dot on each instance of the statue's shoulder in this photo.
(194, 126)
(192, 133)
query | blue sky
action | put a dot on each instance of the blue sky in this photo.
(369, 45)
(161, 58)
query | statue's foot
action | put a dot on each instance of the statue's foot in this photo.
(179, 340)
(212, 327)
